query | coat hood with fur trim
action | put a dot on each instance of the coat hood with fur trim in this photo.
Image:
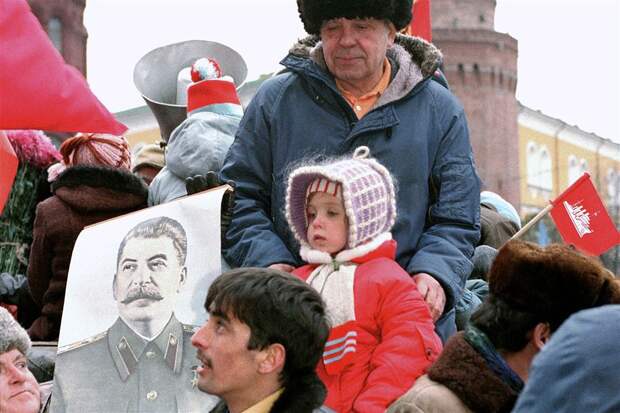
(413, 59)
(90, 188)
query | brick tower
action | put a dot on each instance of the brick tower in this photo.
(481, 67)
(63, 20)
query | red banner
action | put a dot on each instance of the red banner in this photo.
(421, 22)
(8, 169)
(582, 220)
(38, 90)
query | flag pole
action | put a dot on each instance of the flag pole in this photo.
(533, 221)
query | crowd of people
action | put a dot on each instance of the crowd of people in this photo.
(370, 272)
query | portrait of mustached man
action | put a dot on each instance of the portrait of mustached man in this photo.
(144, 362)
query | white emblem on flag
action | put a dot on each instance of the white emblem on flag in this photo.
(580, 218)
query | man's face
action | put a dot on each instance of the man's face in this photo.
(228, 368)
(354, 50)
(19, 390)
(148, 278)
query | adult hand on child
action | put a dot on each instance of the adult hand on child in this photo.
(282, 267)
(199, 183)
(432, 292)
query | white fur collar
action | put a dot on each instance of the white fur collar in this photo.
(312, 256)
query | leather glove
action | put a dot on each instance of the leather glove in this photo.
(199, 183)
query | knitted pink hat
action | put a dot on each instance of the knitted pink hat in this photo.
(367, 191)
(92, 149)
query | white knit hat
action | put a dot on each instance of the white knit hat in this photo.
(367, 191)
(12, 335)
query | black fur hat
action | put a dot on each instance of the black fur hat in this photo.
(314, 13)
(552, 282)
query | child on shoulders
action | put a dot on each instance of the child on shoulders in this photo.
(382, 337)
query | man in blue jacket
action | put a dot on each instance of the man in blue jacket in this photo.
(354, 81)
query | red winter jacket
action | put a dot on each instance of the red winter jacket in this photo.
(373, 359)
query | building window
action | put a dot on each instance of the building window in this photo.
(545, 176)
(613, 187)
(531, 160)
(573, 169)
(54, 31)
(539, 169)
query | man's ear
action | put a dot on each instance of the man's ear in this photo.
(391, 33)
(114, 288)
(271, 359)
(542, 333)
(183, 277)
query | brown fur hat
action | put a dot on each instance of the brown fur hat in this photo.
(314, 13)
(552, 282)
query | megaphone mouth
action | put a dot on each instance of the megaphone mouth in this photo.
(155, 76)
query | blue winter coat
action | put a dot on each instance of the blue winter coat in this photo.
(417, 129)
(579, 369)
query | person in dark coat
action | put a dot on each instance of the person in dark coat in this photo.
(355, 81)
(532, 291)
(92, 183)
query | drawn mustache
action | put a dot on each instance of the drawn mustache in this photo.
(138, 292)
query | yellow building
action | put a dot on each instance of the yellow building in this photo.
(553, 154)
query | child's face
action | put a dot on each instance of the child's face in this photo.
(328, 226)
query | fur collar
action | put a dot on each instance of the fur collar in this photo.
(462, 370)
(101, 177)
(304, 396)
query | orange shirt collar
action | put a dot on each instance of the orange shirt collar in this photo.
(367, 100)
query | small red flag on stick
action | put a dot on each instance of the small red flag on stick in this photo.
(421, 21)
(8, 169)
(582, 220)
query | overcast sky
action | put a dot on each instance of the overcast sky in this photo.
(568, 49)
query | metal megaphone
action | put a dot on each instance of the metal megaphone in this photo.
(155, 77)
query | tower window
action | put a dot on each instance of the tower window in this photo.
(54, 31)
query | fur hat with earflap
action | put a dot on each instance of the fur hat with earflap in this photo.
(314, 13)
(551, 282)
(368, 195)
(12, 335)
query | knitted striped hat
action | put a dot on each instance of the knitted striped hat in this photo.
(367, 192)
(95, 149)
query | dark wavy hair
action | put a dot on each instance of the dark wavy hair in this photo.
(278, 308)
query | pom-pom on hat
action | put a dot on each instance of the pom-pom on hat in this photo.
(12, 335)
(552, 282)
(367, 192)
(210, 88)
(314, 13)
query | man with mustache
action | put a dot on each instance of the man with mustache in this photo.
(144, 362)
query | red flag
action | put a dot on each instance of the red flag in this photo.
(8, 169)
(582, 220)
(38, 90)
(421, 22)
